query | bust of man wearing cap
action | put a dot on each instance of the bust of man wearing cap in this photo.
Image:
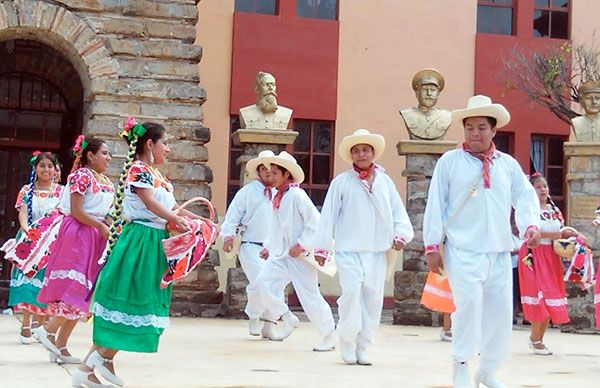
(587, 127)
(265, 114)
(426, 122)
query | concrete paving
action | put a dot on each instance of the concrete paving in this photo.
(197, 352)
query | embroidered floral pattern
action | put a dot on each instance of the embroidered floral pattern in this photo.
(82, 179)
(22, 196)
(31, 308)
(143, 176)
(129, 319)
(70, 274)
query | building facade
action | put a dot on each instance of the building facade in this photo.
(348, 64)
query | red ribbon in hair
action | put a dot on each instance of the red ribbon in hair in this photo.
(535, 174)
(364, 174)
(486, 158)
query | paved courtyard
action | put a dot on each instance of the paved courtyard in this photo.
(198, 352)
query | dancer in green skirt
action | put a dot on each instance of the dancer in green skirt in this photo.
(130, 309)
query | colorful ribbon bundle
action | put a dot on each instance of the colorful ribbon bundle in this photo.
(581, 268)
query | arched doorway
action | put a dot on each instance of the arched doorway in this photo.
(41, 108)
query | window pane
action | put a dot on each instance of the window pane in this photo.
(53, 126)
(560, 3)
(234, 170)
(560, 25)
(555, 151)
(541, 23)
(541, 3)
(502, 142)
(322, 138)
(267, 7)
(302, 142)
(321, 167)
(555, 180)
(536, 154)
(494, 20)
(318, 197)
(30, 126)
(304, 162)
(321, 9)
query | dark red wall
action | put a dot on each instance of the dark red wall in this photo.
(301, 53)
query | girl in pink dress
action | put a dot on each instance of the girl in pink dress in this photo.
(73, 266)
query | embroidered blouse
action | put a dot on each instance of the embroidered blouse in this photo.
(551, 220)
(43, 200)
(142, 176)
(98, 196)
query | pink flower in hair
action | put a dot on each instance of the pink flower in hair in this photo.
(129, 124)
(36, 153)
(79, 143)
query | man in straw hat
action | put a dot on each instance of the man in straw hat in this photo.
(468, 210)
(362, 218)
(250, 210)
(294, 221)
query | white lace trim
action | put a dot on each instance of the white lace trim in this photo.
(70, 274)
(25, 280)
(530, 300)
(597, 298)
(128, 319)
(437, 292)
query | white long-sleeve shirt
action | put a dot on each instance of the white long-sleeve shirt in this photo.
(252, 208)
(295, 222)
(359, 219)
(483, 223)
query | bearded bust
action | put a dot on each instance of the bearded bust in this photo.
(426, 122)
(587, 127)
(265, 114)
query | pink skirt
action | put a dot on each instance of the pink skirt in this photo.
(543, 292)
(72, 270)
(597, 296)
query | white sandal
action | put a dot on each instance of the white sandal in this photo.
(42, 335)
(543, 351)
(62, 359)
(80, 378)
(26, 340)
(96, 361)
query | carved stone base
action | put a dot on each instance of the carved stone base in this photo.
(264, 136)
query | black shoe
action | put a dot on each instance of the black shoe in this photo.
(526, 322)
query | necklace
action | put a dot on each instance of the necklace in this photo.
(101, 178)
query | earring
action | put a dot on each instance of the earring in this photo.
(151, 157)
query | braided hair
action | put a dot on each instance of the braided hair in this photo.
(37, 158)
(133, 134)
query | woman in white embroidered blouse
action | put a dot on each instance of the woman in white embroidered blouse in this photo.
(73, 267)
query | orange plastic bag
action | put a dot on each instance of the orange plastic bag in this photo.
(437, 295)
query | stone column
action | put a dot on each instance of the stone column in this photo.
(582, 197)
(253, 141)
(421, 157)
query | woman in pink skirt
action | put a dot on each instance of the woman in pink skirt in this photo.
(541, 272)
(73, 266)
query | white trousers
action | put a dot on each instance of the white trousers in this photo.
(252, 264)
(273, 279)
(482, 289)
(362, 278)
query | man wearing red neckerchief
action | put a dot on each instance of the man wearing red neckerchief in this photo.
(471, 194)
(362, 218)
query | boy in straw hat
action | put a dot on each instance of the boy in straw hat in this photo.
(468, 210)
(362, 218)
(251, 209)
(294, 220)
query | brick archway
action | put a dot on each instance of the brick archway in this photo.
(67, 33)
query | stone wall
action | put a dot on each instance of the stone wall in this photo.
(583, 194)
(134, 58)
(421, 157)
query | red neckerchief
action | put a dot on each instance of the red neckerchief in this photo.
(364, 174)
(267, 190)
(486, 158)
(280, 191)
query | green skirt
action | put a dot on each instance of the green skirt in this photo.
(130, 309)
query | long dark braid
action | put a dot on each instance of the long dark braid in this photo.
(34, 161)
(132, 133)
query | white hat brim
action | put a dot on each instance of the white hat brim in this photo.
(496, 111)
(292, 166)
(374, 140)
(252, 167)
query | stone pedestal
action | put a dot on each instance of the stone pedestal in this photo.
(582, 197)
(421, 157)
(253, 141)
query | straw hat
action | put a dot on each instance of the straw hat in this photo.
(361, 136)
(288, 162)
(252, 165)
(428, 76)
(482, 106)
